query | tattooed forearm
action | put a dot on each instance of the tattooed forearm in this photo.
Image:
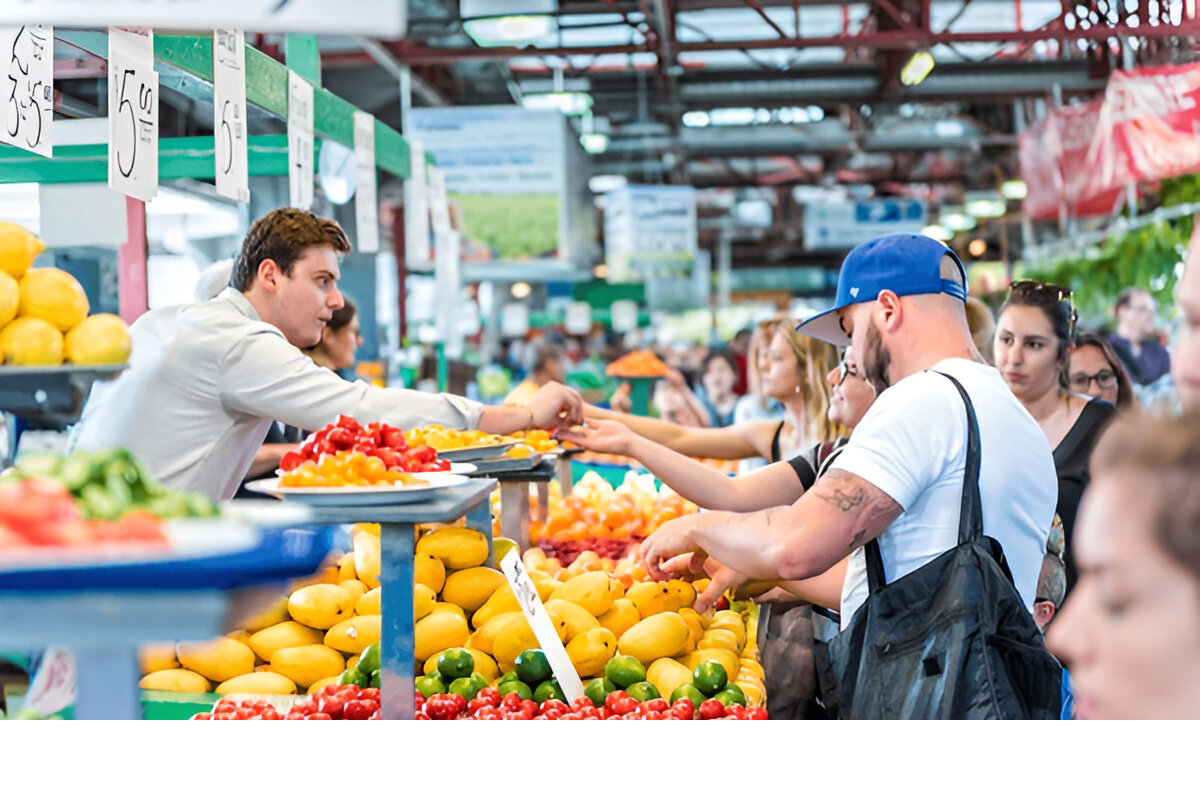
(845, 501)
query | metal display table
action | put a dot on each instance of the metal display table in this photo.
(514, 500)
(397, 532)
(53, 395)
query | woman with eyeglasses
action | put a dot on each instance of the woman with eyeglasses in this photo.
(1033, 339)
(1097, 372)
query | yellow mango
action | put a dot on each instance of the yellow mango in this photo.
(591, 650)
(218, 660)
(429, 571)
(590, 590)
(569, 618)
(175, 680)
(502, 600)
(667, 675)
(752, 667)
(157, 657)
(755, 692)
(693, 620)
(685, 590)
(438, 631)
(726, 658)
(458, 548)
(658, 636)
(484, 637)
(424, 601)
(653, 598)
(307, 664)
(501, 547)
(354, 634)
(372, 601)
(274, 614)
(351, 661)
(356, 588)
(718, 637)
(258, 683)
(513, 639)
(367, 559)
(322, 605)
(365, 527)
(346, 570)
(239, 636)
(615, 586)
(470, 588)
(689, 644)
(449, 608)
(332, 680)
(729, 619)
(621, 617)
(285, 634)
(546, 587)
(534, 559)
(485, 665)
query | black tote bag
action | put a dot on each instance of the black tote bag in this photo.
(951, 640)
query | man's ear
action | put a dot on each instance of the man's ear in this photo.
(1043, 612)
(888, 312)
(268, 275)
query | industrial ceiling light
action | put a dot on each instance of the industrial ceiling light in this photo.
(957, 221)
(1014, 190)
(571, 104)
(917, 69)
(939, 232)
(521, 290)
(508, 23)
(985, 205)
(977, 248)
(594, 142)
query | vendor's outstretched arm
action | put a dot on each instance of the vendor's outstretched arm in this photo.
(552, 406)
(837, 516)
(744, 440)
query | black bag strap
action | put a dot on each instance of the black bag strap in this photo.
(970, 519)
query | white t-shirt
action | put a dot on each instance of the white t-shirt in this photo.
(912, 445)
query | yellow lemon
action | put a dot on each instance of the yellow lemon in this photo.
(55, 296)
(18, 248)
(99, 339)
(31, 342)
(10, 298)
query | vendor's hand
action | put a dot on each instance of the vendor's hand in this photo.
(722, 578)
(599, 435)
(674, 538)
(556, 405)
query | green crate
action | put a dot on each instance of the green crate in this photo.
(175, 705)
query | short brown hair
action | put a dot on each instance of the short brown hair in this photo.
(1168, 450)
(283, 235)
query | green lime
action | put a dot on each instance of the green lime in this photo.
(428, 685)
(532, 667)
(598, 689)
(690, 692)
(465, 687)
(508, 677)
(376, 680)
(479, 681)
(522, 689)
(643, 691)
(731, 695)
(351, 676)
(710, 677)
(547, 690)
(456, 662)
(624, 671)
(369, 660)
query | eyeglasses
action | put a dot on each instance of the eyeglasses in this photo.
(845, 369)
(1059, 294)
(1105, 379)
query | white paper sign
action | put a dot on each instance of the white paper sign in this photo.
(624, 316)
(514, 320)
(416, 208)
(132, 113)
(447, 277)
(366, 203)
(27, 87)
(543, 626)
(300, 141)
(439, 206)
(578, 319)
(229, 114)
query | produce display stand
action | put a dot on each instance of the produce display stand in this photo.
(397, 531)
(514, 494)
(639, 395)
(105, 611)
(52, 395)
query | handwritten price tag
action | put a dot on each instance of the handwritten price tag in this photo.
(229, 114)
(543, 627)
(300, 141)
(132, 114)
(366, 204)
(27, 88)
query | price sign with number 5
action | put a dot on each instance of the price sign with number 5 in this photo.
(132, 116)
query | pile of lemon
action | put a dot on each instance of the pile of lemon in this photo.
(44, 312)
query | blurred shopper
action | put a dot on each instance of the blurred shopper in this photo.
(340, 339)
(1096, 371)
(1130, 631)
(1136, 340)
(1185, 361)
(1033, 337)
(755, 404)
(718, 377)
(983, 328)
(547, 367)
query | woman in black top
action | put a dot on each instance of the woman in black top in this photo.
(1033, 339)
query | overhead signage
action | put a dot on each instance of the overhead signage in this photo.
(366, 203)
(27, 87)
(300, 141)
(132, 113)
(838, 226)
(229, 115)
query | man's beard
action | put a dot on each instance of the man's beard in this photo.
(875, 360)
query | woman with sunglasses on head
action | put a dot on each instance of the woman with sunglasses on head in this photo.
(1033, 339)
(1097, 372)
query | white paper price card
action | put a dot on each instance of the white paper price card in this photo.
(578, 319)
(439, 206)
(229, 114)
(416, 208)
(543, 626)
(300, 141)
(132, 113)
(366, 203)
(27, 92)
(514, 320)
(624, 316)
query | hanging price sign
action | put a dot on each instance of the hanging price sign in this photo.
(439, 206)
(229, 114)
(416, 208)
(366, 203)
(300, 141)
(132, 113)
(27, 91)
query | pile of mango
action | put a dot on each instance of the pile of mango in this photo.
(303, 642)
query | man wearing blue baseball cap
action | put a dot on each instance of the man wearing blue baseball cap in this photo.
(900, 303)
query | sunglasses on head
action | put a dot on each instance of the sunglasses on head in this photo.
(1059, 294)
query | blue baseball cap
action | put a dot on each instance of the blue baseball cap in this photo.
(905, 263)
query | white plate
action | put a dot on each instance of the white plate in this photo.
(361, 495)
(476, 453)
